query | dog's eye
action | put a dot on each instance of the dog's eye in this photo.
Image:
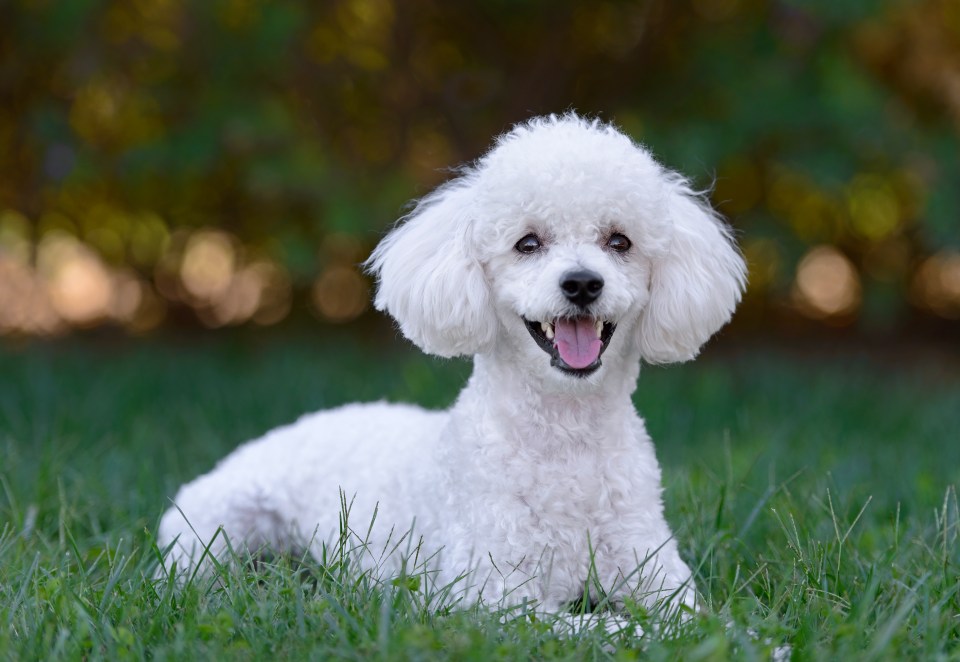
(619, 243)
(529, 244)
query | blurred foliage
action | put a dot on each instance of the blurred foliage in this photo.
(235, 159)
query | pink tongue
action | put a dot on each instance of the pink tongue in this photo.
(577, 341)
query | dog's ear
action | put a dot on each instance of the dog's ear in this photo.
(429, 279)
(695, 286)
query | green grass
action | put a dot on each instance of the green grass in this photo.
(813, 495)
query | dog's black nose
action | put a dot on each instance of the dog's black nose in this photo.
(581, 287)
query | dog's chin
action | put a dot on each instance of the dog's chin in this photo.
(542, 333)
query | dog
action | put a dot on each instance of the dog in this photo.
(559, 261)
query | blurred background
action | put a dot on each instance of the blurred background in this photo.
(174, 165)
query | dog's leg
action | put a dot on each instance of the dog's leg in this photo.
(219, 512)
(657, 579)
(245, 504)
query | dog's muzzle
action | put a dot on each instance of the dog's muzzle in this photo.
(575, 344)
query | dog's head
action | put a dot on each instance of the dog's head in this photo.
(565, 241)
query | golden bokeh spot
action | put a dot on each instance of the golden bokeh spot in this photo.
(936, 284)
(79, 285)
(827, 284)
(340, 294)
(24, 303)
(16, 291)
(221, 288)
(209, 262)
(237, 303)
(873, 207)
(127, 296)
(258, 292)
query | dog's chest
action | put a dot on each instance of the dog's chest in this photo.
(556, 488)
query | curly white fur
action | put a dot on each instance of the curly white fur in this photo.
(541, 478)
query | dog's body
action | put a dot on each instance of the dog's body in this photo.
(566, 242)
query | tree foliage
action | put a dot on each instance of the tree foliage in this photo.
(295, 131)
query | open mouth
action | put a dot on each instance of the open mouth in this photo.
(574, 344)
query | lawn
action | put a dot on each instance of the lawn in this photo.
(814, 495)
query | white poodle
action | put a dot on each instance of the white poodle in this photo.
(558, 261)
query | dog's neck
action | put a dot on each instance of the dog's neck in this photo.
(527, 411)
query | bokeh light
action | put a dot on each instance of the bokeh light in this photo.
(873, 207)
(220, 284)
(63, 282)
(209, 263)
(151, 177)
(827, 284)
(24, 305)
(340, 294)
(936, 285)
(78, 284)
